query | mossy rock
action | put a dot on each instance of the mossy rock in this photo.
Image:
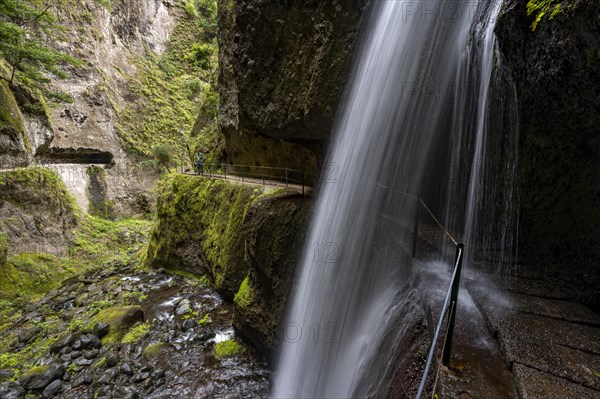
(153, 351)
(199, 229)
(40, 376)
(11, 122)
(228, 348)
(120, 320)
(136, 334)
(243, 298)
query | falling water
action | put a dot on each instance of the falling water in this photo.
(405, 104)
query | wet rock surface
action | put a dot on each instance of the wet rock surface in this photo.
(477, 367)
(57, 350)
(282, 70)
(551, 344)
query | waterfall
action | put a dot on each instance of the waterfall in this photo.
(419, 87)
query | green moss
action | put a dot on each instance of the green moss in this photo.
(243, 298)
(100, 363)
(10, 115)
(550, 8)
(173, 90)
(194, 211)
(136, 295)
(39, 189)
(3, 249)
(36, 370)
(120, 319)
(153, 351)
(136, 333)
(24, 357)
(205, 320)
(29, 276)
(227, 348)
(99, 241)
(191, 277)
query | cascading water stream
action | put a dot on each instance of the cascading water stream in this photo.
(351, 299)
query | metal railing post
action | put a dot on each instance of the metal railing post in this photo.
(453, 304)
(225, 170)
(303, 183)
(286, 181)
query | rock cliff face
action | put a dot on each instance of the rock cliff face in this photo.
(117, 42)
(555, 69)
(245, 241)
(283, 66)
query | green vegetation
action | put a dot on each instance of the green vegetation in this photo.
(191, 278)
(228, 348)
(10, 115)
(550, 8)
(136, 333)
(3, 249)
(99, 242)
(25, 29)
(164, 156)
(100, 363)
(192, 211)
(89, 241)
(178, 93)
(205, 320)
(121, 319)
(243, 298)
(29, 275)
(39, 190)
(25, 357)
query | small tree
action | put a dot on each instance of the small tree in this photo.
(25, 27)
(164, 156)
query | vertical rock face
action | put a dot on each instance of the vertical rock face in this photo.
(283, 66)
(113, 40)
(13, 147)
(555, 69)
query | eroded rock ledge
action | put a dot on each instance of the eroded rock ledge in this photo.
(283, 66)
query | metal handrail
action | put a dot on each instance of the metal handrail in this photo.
(449, 304)
(285, 177)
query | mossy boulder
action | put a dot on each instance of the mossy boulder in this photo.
(136, 334)
(39, 377)
(120, 319)
(227, 348)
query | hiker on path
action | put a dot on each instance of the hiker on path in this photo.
(198, 161)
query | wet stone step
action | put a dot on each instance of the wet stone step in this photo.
(535, 384)
(562, 349)
(551, 308)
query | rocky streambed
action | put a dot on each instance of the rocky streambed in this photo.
(129, 334)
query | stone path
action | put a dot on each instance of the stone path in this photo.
(552, 345)
(520, 339)
(272, 184)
